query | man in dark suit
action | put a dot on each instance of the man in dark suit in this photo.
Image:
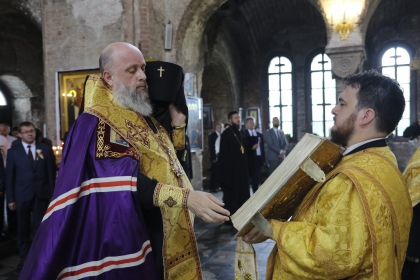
(254, 147)
(30, 179)
(276, 145)
(214, 146)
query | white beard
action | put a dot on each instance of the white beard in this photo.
(136, 100)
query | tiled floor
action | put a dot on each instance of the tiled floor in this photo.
(216, 244)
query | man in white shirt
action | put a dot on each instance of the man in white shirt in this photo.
(254, 146)
(5, 131)
(214, 147)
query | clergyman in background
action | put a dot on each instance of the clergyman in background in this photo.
(233, 168)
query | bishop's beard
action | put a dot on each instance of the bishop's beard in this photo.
(132, 98)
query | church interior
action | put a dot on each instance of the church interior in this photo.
(262, 58)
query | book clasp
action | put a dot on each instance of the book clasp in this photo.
(262, 225)
(313, 170)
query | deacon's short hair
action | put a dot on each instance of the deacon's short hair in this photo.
(381, 93)
(231, 114)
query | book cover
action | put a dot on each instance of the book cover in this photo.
(280, 195)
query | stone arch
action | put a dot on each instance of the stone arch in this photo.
(367, 14)
(21, 56)
(20, 97)
(7, 109)
(190, 32)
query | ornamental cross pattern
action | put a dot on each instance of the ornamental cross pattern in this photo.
(170, 201)
(137, 133)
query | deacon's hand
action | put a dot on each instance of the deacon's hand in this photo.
(255, 146)
(207, 207)
(254, 236)
(177, 117)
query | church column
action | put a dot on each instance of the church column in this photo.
(346, 51)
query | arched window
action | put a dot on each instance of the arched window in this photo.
(280, 92)
(396, 65)
(3, 101)
(323, 95)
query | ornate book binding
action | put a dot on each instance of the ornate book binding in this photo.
(283, 191)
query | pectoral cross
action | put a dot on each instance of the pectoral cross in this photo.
(242, 149)
(160, 70)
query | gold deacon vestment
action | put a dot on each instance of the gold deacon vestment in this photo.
(412, 175)
(353, 226)
(158, 160)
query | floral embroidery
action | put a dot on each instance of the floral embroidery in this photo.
(39, 154)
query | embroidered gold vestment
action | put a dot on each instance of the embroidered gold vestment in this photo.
(412, 176)
(158, 160)
(353, 226)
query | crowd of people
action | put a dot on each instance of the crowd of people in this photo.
(238, 157)
(27, 180)
(122, 206)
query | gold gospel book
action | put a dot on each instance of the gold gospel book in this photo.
(280, 195)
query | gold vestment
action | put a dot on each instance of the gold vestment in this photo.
(412, 176)
(353, 226)
(158, 160)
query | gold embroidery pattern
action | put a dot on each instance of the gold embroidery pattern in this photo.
(156, 194)
(102, 150)
(185, 193)
(175, 165)
(180, 257)
(170, 201)
(178, 136)
(170, 196)
(137, 133)
(100, 141)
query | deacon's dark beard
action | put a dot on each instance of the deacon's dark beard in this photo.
(133, 98)
(341, 135)
(235, 126)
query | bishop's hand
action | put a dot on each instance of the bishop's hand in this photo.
(207, 207)
(178, 118)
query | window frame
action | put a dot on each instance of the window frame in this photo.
(266, 90)
(413, 77)
(308, 72)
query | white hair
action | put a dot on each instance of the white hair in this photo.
(132, 98)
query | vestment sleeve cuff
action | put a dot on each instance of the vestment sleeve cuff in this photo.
(170, 196)
(178, 138)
